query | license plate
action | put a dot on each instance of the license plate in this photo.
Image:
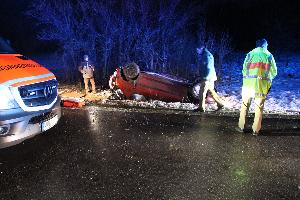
(46, 125)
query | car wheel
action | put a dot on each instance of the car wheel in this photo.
(193, 93)
(131, 71)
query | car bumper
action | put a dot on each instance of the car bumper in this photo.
(24, 125)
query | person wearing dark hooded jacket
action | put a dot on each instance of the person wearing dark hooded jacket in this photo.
(207, 75)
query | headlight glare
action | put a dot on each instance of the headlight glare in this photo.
(7, 101)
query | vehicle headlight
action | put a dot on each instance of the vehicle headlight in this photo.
(4, 129)
(7, 101)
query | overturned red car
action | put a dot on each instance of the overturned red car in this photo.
(131, 82)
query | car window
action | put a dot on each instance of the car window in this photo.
(5, 47)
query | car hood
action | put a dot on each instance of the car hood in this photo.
(16, 70)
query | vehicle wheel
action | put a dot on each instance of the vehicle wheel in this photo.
(193, 93)
(131, 71)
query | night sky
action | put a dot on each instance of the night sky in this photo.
(245, 20)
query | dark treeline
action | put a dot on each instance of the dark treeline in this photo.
(276, 20)
(159, 36)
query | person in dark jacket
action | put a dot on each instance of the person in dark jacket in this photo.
(207, 77)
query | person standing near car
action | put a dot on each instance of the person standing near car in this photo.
(207, 75)
(87, 70)
(259, 70)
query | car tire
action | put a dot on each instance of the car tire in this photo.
(131, 71)
(193, 93)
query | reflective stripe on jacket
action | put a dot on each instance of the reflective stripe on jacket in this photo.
(259, 70)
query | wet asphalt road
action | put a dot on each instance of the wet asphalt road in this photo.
(100, 153)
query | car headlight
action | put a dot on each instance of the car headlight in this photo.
(4, 129)
(7, 101)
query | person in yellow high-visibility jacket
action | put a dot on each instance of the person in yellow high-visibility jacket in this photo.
(259, 70)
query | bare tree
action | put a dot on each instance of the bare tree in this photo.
(170, 25)
(105, 33)
(68, 24)
(224, 47)
(152, 33)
